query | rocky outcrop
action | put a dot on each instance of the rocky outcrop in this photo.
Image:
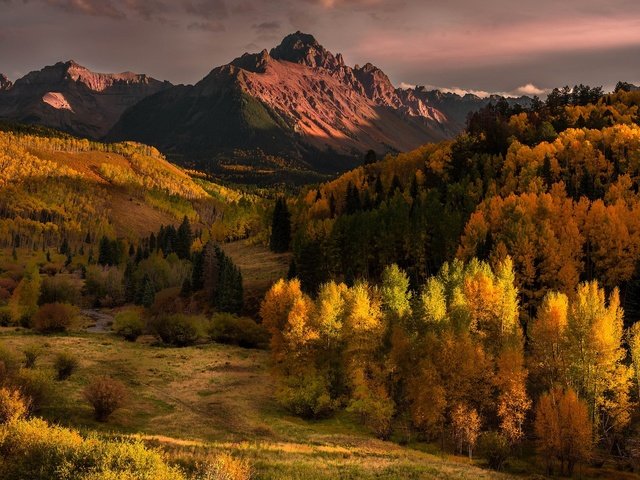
(5, 83)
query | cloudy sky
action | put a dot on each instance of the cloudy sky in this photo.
(493, 45)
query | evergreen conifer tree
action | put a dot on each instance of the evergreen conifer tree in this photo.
(280, 227)
(184, 239)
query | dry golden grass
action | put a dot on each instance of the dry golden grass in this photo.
(198, 402)
(260, 268)
(132, 217)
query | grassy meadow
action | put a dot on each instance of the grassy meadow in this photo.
(197, 401)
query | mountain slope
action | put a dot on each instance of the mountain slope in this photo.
(72, 98)
(298, 102)
(55, 186)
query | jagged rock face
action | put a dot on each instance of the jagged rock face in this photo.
(304, 49)
(5, 83)
(70, 97)
(294, 101)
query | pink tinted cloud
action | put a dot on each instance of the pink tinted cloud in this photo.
(479, 45)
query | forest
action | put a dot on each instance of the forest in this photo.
(475, 298)
(480, 292)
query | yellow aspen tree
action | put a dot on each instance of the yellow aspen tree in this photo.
(633, 339)
(548, 342)
(513, 401)
(466, 424)
(596, 356)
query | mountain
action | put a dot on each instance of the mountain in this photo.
(69, 97)
(5, 83)
(298, 107)
(457, 107)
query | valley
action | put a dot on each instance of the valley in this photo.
(302, 267)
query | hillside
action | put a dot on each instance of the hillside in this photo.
(56, 186)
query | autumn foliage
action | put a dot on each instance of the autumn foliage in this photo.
(449, 357)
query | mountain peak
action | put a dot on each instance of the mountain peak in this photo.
(253, 62)
(304, 49)
(5, 83)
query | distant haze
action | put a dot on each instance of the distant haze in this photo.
(490, 46)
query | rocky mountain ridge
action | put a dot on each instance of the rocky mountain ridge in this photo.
(70, 97)
(298, 103)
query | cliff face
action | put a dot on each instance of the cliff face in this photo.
(72, 98)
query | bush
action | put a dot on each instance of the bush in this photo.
(54, 317)
(65, 364)
(494, 448)
(13, 406)
(168, 302)
(225, 467)
(5, 295)
(129, 324)
(58, 290)
(9, 365)
(242, 331)
(6, 317)
(8, 284)
(36, 386)
(105, 395)
(35, 450)
(106, 285)
(31, 354)
(180, 330)
(307, 396)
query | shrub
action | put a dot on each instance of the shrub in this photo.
(168, 301)
(307, 395)
(6, 317)
(129, 324)
(8, 284)
(54, 317)
(226, 467)
(494, 448)
(65, 364)
(36, 386)
(106, 285)
(35, 450)
(9, 364)
(234, 330)
(5, 295)
(58, 290)
(105, 395)
(31, 354)
(180, 330)
(13, 406)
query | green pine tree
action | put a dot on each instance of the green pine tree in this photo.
(280, 227)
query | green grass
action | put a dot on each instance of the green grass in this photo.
(198, 401)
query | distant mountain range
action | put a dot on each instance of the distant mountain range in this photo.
(69, 97)
(297, 107)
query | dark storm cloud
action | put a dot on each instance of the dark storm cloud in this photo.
(496, 45)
